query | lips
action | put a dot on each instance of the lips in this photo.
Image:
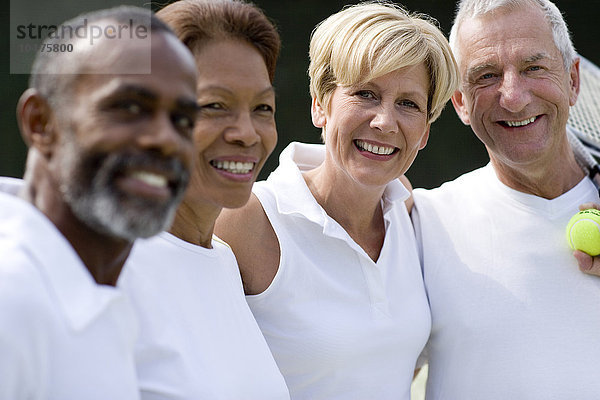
(158, 179)
(147, 184)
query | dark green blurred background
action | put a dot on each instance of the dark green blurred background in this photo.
(452, 148)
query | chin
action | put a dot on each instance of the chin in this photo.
(235, 199)
(236, 204)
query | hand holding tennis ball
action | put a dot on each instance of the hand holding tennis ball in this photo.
(583, 231)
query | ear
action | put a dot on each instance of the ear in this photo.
(319, 119)
(574, 82)
(425, 138)
(35, 119)
(458, 101)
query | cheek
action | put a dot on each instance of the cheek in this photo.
(268, 135)
(485, 98)
(414, 130)
(205, 134)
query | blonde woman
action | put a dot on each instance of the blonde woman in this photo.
(325, 246)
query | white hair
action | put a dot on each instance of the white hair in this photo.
(475, 8)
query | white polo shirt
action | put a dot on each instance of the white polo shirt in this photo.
(62, 336)
(340, 326)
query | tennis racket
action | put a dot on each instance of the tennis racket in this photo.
(583, 126)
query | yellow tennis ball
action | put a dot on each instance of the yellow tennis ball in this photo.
(583, 231)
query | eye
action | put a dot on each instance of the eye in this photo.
(486, 76)
(134, 108)
(264, 108)
(129, 106)
(409, 103)
(184, 122)
(365, 94)
(128, 109)
(534, 68)
(212, 110)
(212, 106)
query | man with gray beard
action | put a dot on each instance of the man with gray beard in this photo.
(109, 128)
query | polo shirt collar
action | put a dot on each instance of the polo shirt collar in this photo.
(80, 298)
(294, 196)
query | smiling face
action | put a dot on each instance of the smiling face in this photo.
(235, 131)
(515, 91)
(374, 130)
(125, 151)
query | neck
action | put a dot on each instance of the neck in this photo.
(195, 222)
(356, 207)
(547, 179)
(103, 255)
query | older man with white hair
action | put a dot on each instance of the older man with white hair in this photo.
(512, 315)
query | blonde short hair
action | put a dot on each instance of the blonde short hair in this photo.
(368, 40)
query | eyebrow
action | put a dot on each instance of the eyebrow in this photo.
(535, 57)
(188, 105)
(142, 92)
(370, 84)
(136, 90)
(267, 90)
(477, 69)
(531, 59)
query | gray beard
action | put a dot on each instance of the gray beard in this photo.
(87, 184)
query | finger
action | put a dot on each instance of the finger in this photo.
(595, 269)
(586, 206)
(588, 264)
(584, 260)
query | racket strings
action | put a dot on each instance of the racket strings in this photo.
(584, 116)
(584, 157)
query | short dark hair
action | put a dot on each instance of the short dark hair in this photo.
(198, 21)
(53, 73)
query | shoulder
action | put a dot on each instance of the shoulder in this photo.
(234, 224)
(22, 283)
(460, 189)
(254, 242)
(19, 268)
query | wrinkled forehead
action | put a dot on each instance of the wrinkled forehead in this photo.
(499, 28)
(159, 64)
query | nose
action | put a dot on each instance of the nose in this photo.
(385, 119)
(242, 131)
(514, 95)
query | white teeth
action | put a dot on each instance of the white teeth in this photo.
(520, 123)
(235, 167)
(150, 178)
(374, 149)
